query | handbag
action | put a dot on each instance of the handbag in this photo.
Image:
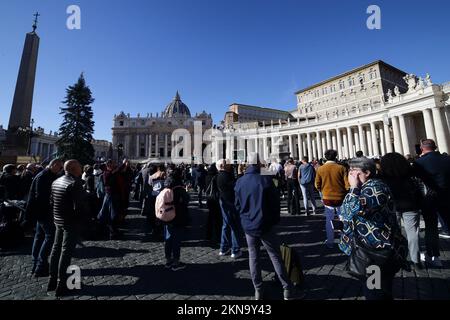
(362, 257)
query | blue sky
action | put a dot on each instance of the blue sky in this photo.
(135, 54)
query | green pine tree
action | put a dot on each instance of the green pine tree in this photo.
(77, 127)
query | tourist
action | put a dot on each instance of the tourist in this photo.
(231, 224)
(26, 178)
(257, 202)
(434, 170)
(111, 204)
(156, 182)
(306, 177)
(173, 231)
(331, 180)
(292, 187)
(200, 182)
(214, 221)
(69, 205)
(370, 223)
(39, 209)
(397, 173)
(10, 182)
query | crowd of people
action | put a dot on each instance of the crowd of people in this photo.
(366, 201)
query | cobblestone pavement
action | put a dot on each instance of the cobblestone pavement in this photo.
(132, 268)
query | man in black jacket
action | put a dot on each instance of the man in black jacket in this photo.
(231, 224)
(69, 204)
(434, 170)
(39, 209)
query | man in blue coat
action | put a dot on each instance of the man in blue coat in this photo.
(258, 204)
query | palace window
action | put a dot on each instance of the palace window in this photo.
(351, 82)
(341, 85)
(121, 123)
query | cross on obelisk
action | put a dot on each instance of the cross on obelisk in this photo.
(36, 15)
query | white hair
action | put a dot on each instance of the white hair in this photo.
(220, 164)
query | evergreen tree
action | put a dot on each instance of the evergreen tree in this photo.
(77, 127)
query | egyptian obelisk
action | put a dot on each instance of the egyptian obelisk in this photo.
(18, 134)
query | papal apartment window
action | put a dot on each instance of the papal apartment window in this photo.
(341, 85)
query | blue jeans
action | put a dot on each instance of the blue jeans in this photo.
(108, 212)
(43, 242)
(172, 242)
(308, 194)
(330, 214)
(230, 228)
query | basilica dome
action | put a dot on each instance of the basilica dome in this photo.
(177, 109)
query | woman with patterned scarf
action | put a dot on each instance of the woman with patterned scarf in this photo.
(371, 235)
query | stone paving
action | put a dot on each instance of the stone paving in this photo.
(132, 268)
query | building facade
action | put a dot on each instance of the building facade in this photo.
(43, 146)
(151, 138)
(376, 108)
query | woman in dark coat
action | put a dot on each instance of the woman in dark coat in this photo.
(214, 222)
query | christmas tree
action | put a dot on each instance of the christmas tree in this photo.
(77, 127)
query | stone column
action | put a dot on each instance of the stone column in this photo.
(149, 145)
(362, 139)
(334, 141)
(300, 147)
(166, 147)
(404, 135)
(329, 142)
(319, 145)
(387, 138)
(369, 142)
(442, 133)
(397, 135)
(314, 146)
(350, 142)
(232, 147)
(339, 143)
(291, 146)
(265, 150)
(429, 124)
(324, 145)
(345, 147)
(373, 130)
(309, 146)
(356, 138)
(157, 155)
(382, 140)
(137, 146)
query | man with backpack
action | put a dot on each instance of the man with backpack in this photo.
(306, 176)
(258, 204)
(172, 209)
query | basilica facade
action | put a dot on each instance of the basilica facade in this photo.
(150, 137)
